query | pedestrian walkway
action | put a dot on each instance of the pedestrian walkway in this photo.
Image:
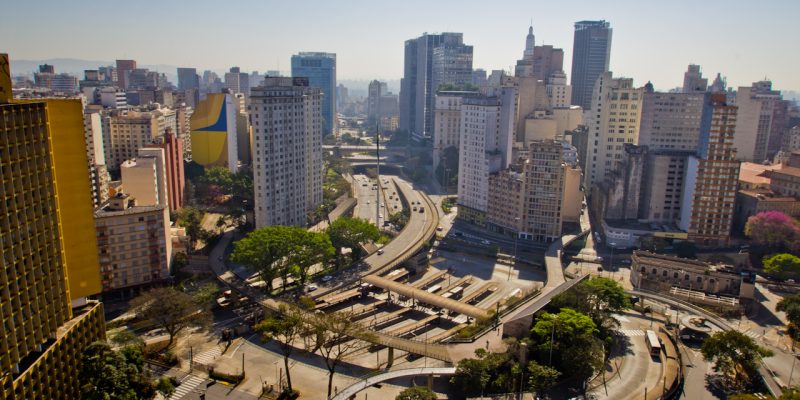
(755, 334)
(631, 332)
(189, 384)
(208, 357)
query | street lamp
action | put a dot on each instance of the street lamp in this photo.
(611, 261)
(516, 236)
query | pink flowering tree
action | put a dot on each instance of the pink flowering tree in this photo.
(774, 231)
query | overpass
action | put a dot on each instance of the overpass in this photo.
(350, 391)
(425, 297)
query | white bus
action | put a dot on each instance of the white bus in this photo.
(653, 343)
(434, 288)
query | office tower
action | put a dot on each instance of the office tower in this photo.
(693, 81)
(126, 266)
(613, 121)
(761, 121)
(172, 146)
(375, 90)
(188, 79)
(536, 194)
(58, 83)
(421, 80)
(237, 81)
(487, 134)
(447, 131)
(671, 121)
(213, 137)
(525, 64)
(342, 95)
(388, 113)
(547, 61)
(712, 176)
(50, 262)
(134, 130)
(95, 151)
(145, 177)
(183, 120)
(791, 139)
(320, 69)
(479, 77)
(124, 68)
(558, 91)
(591, 52)
(113, 97)
(287, 159)
(143, 78)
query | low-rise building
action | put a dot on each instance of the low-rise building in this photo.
(662, 273)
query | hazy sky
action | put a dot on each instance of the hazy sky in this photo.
(652, 40)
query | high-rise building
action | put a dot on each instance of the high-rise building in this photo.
(693, 81)
(172, 146)
(320, 69)
(425, 69)
(213, 138)
(613, 121)
(375, 91)
(188, 79)
(761, 121)
(591, 52)
(547, 61)
(287, 155)
(525, 64)
(124, 68)
(712, 176)
(237, 82)
(447, 132)
(487, 134)
(558, 91)
(123, 264)
(134, 130)
(48, 270)
(140, 179)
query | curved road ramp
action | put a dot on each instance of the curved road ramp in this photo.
(350, 391)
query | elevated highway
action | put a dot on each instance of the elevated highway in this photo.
(350, 391)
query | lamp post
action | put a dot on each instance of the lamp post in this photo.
(611, 261)
(516, 236)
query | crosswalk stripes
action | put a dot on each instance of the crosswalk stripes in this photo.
(208, 356)
(188, 384)
(631, 332)
(753, 334)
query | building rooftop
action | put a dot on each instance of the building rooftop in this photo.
(752, 173)
(104, 212)
(767, 195)
(679, 263)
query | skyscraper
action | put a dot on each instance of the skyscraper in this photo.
(320, 69)
(287, 153)
(213, 137)
(761, 121)
(613, 121)
(430, 60)
(693, 80)
(591, 54)
(188, 79)
(124, 68)
(712, 176)
(48, 270)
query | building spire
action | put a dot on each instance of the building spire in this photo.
(530, 42)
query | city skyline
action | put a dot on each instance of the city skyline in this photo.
(707, 39)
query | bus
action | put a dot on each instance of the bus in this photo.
(653, 343)
(434, 288)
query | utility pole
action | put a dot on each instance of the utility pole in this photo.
(378, 172)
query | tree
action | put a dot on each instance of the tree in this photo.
(791, 394)
(474, 375)
(280, 251)
(352, 233)
(107, 374)
(736, 356)
(791, 306)
(169, 309)
(126, 338)
(192, 219)
(287, 328)
(569, 338)
(597, 297)
(774, 231)
(165, 386)
(416, 393)
(782, 264)
(335, 335)
(541, 377)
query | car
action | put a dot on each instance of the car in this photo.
(486, 242)
(626, 261)
(380, 251)
(599, 269)
(326, 278)
(364, 184)
(367, 201)
(310, 288)
(415, 209)
(439, 228)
